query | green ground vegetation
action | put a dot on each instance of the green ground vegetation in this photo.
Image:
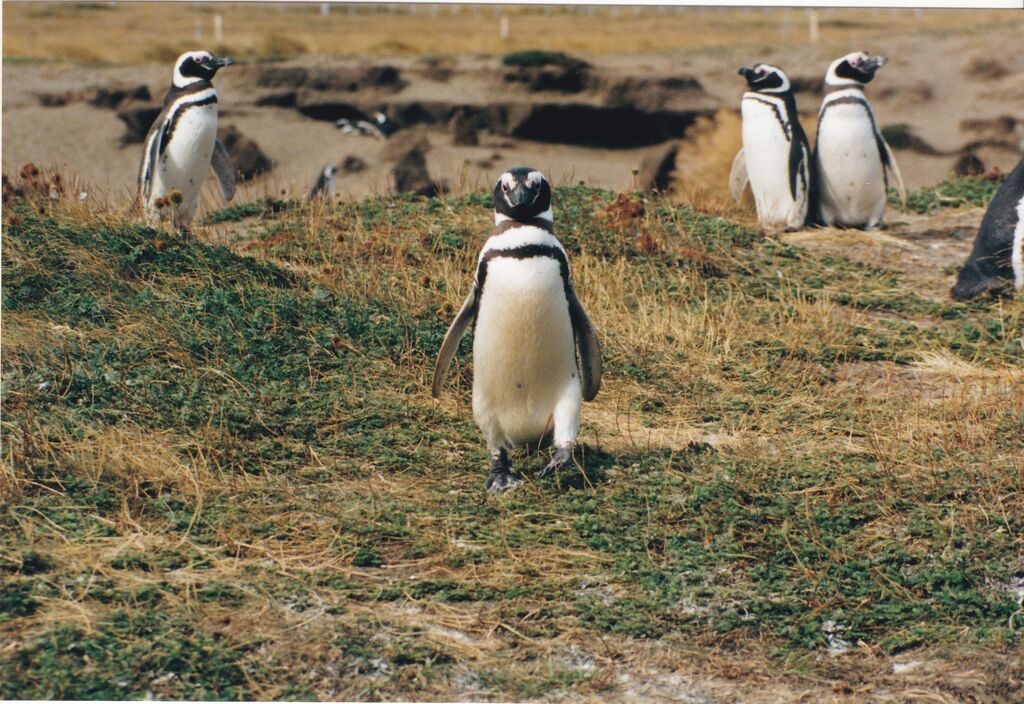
(224, 475)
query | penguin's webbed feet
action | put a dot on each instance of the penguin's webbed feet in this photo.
(498, 481)
(562, 455)
(502, 478)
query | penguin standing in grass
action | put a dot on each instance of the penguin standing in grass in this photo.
(182, 144)
(529, 327)
(776, 155)
(851, 159)
(324, 185)
(997, 258)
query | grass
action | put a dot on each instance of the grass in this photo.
(132, 33)
(224, 476)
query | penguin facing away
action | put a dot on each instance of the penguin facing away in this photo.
(997, 258)
(182, 144)
(529, 327)
(852, 162)
(776, 156)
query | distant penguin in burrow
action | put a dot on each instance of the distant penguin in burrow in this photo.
(997, 259)
(775, 156)
(529, 327)
(182, 144)
(852, 162)
(324, 185)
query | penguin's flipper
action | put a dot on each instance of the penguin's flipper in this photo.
(738, 176)
(894, 169)
(451, 341)
(588, 345)
(224, 170)
(150, 154)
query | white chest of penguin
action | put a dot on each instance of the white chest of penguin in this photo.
(766, 141)
(523, 348)
(188, 154)
(850, 168)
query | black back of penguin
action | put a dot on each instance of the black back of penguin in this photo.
(989, 269)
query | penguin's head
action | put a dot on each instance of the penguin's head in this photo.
(195, 66)
(762, 78)
(522, 193)
(854, 69)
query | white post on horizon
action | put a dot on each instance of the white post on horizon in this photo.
(812, 26)
(503, 28)
(218, 29)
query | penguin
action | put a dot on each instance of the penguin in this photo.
(997, 258)
(852, 162)
(182, 144)
(324, 186)
(380, 127)
(529, 327)
(775, 156)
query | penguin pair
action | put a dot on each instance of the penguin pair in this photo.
(529, 328)
(182, 144)
(847, 186)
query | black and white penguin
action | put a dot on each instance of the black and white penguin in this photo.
(182, 144)
(380, 126)
(851, 159)
(324, 186)
(775, 156)
(997, 258)
(529, 327)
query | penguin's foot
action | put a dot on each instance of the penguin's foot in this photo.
(562, 455)
(501, 478)
(499, 481)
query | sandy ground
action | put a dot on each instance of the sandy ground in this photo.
(926, 85)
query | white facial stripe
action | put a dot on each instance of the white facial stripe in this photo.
(181, 81)
(508, 180)
(534, 178)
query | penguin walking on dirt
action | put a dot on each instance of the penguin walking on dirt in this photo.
(529, 327)
(182, 144)
(775, 156)
(997, 258)
(852, 161)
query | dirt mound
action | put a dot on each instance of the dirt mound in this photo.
(137, 119)
(249, 160)
(349, 79)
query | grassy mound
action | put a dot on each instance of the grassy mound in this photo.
(224, 476)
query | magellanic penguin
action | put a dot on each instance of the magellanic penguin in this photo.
(775, 156)
(380, 127)
(851, 159)
(182, 144)
(997, 258)
(529, 327)
(324, 186)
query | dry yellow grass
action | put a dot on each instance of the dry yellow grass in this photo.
(362, 559)
(126, 33)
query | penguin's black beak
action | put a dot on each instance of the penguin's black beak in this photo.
(872, 64)
(217, 62)
(746, 72)
(520, 195)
